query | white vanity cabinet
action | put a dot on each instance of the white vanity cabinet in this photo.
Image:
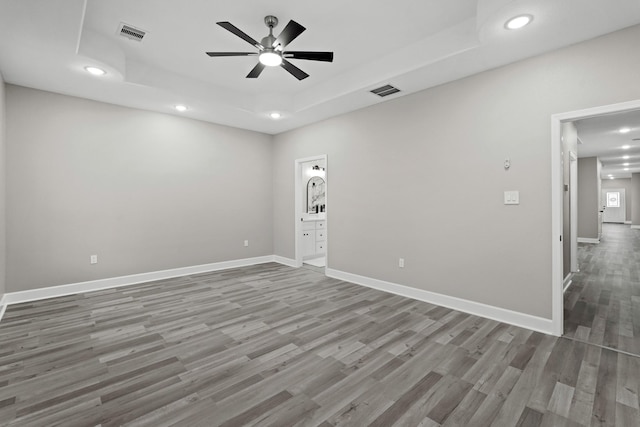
(313, 238)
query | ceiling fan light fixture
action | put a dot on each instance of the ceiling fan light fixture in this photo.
(518, 22)
(270, 58)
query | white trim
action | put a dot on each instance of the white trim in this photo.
(635, 227)
(557, 247)
(567, 282)
(556, 198)
(528, 321)
(113, 282)
(285, 261)
(3, 305)
(588, 240)
(627, 222)
(598, 111)
(573, 211)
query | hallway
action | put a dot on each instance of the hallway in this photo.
(602, 304)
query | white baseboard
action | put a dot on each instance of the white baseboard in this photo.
(627, 222)
(523, 320)
(113, 282)
(3, 305)
(567, 282)
(285, 261)
(635, 227)
(588, 240)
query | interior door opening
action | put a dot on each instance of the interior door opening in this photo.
(311, 212)
(557, 201)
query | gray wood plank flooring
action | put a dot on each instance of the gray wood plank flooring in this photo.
(270, 345)
(602, 305)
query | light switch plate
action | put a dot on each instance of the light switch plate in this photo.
(512, 197)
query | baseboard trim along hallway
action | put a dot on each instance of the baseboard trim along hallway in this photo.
(589, 240)
(515, 318)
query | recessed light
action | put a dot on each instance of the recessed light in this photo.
(95, 71)
(625, 164)
(275, 115)
(181, 108)
(518, 22)
(625, 147)
(626, 169)
(625, 157)
(624, 130)
(611, 177)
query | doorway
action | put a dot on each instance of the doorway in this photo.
(311, 207)
(557, 200)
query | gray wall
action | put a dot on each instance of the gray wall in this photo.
(421, 177)
(569, 145)
(144, 191)
(588, 197)
(628, 192)
(3, 175)
(635, 200)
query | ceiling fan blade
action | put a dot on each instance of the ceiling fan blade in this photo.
(255, 72)
(297, 72)
(231, 53)
(238, 32)
(312, 56)
(290, 32)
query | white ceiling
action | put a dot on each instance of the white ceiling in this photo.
(600, 137)
(411, 44)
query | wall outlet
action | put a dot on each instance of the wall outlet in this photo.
(401, 262)
(246, 243)
(93, 259)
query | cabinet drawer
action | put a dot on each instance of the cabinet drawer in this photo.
(320, 225)
(319, 247)
(308, 225)
(320, 235)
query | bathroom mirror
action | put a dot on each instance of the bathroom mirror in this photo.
(316, 195)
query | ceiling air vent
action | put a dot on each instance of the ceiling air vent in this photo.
(385, 90)
(130, 32)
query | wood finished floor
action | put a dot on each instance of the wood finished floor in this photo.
(271, 345)
(602, 305)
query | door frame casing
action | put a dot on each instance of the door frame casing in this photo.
(298, 205)
(573, 209)
(557, 321)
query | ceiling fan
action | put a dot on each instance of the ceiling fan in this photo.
(271, 51)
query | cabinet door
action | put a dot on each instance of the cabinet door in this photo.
(308, 243)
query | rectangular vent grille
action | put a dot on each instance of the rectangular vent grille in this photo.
(385, 90)
(130, 32)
